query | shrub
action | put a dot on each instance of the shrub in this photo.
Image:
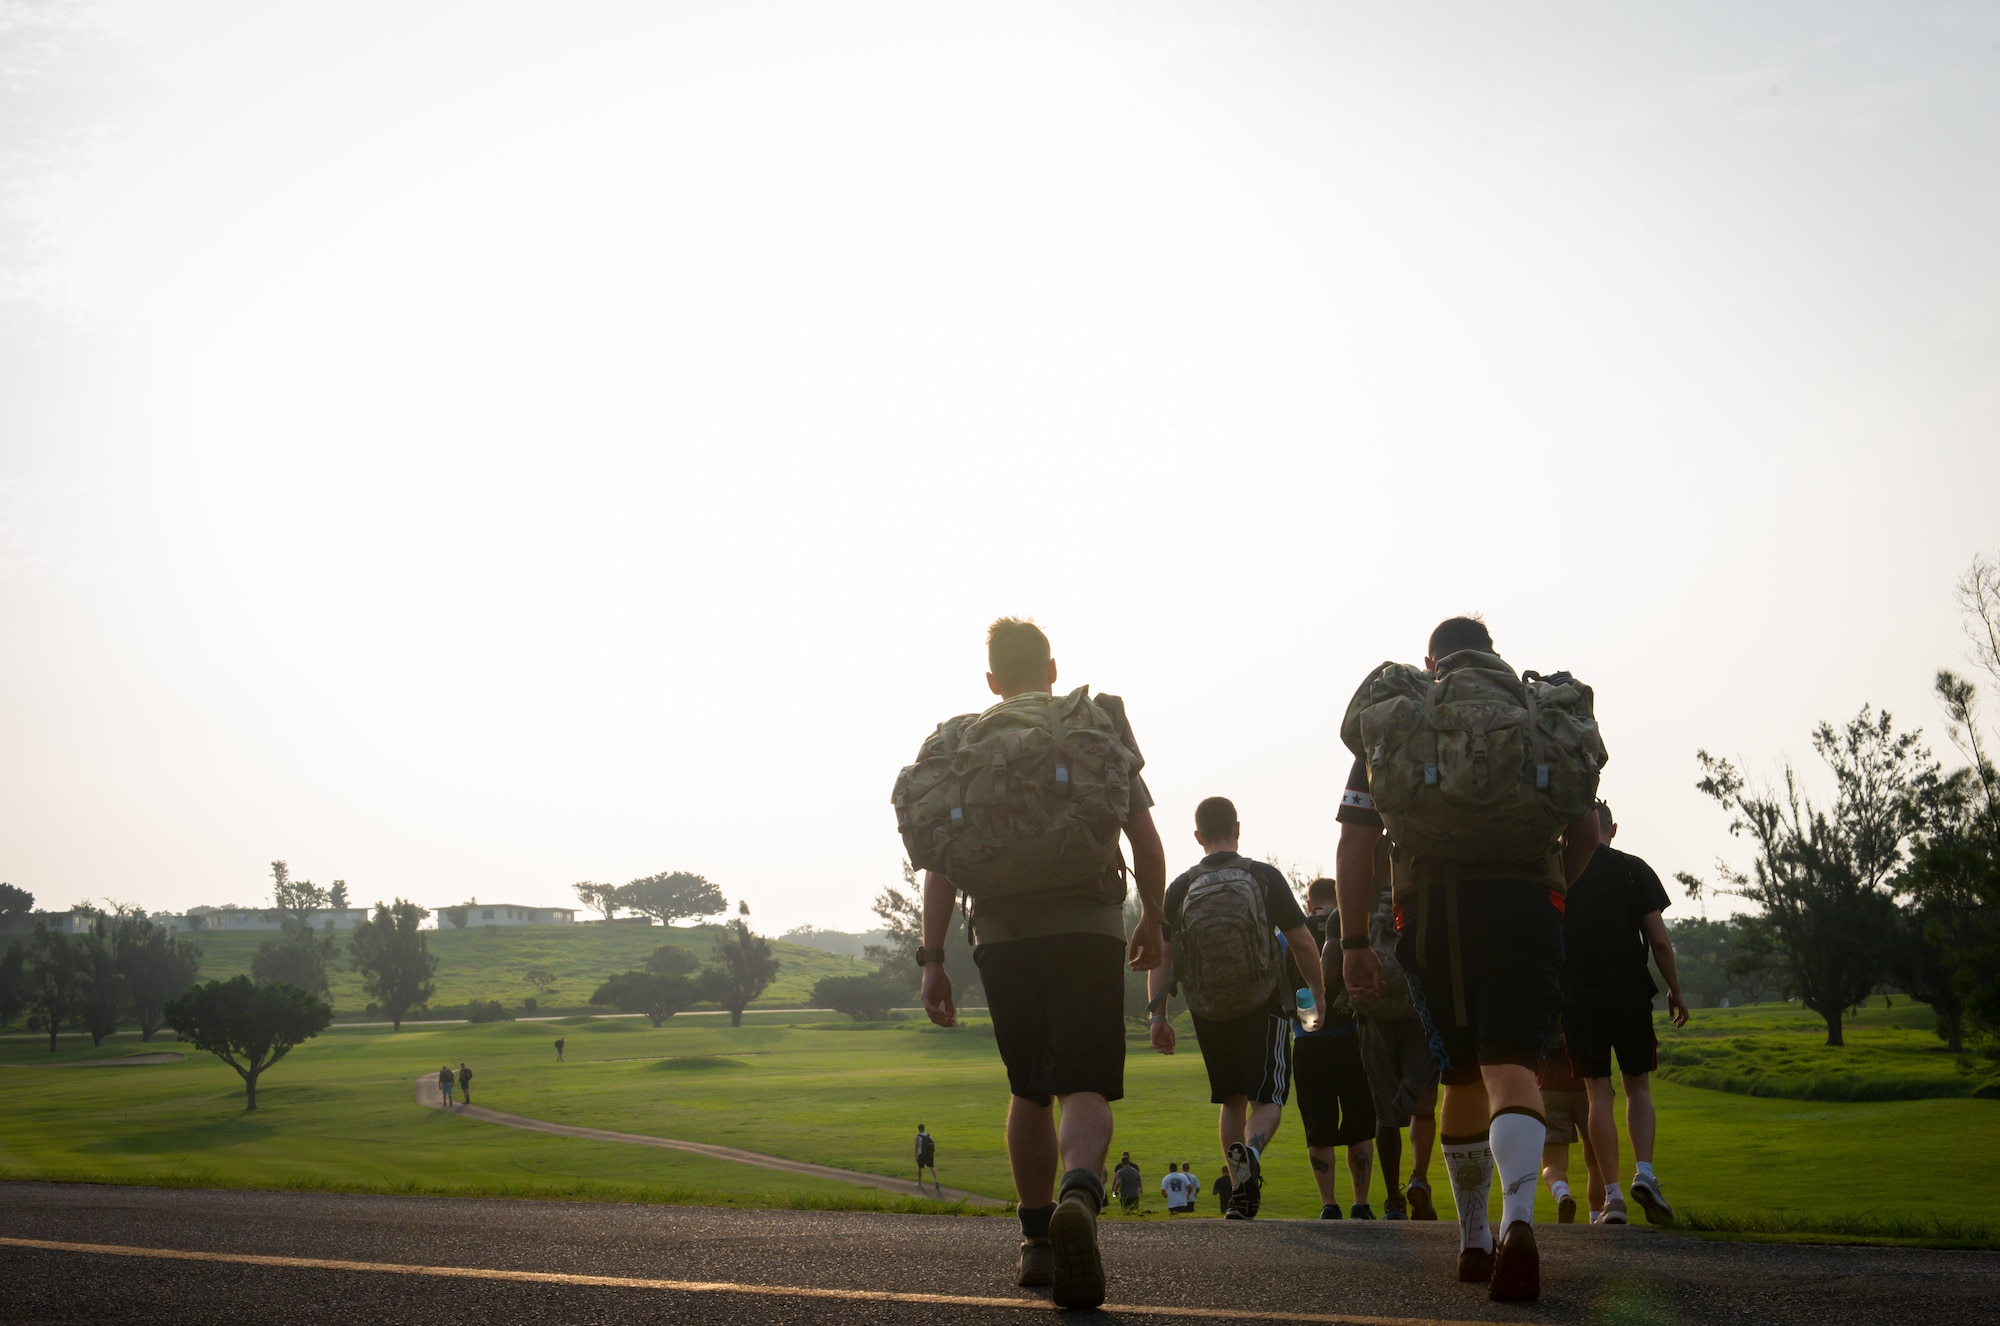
(489, 1010)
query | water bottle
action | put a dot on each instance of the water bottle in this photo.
(1305, 999)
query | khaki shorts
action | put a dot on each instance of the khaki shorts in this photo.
(1565, 1112)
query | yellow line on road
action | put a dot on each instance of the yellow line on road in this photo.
(706, 1286)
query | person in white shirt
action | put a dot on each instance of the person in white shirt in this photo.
(1175, 1188)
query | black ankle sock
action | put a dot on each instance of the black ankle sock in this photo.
(1035, 1220)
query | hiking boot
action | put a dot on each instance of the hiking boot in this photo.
(1646, 1192)
(1420, 1202)
(1393, 1208)
(1566, 1210)
(1038, 1264)
(1475, 1265)
(1614, 1211)
(1078, 1278)
(1362, 1211)
(1330, 1211)
(1517, 1266)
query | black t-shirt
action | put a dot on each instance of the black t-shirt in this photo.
(1605, 948)
(1356, 806)
(1281, 906)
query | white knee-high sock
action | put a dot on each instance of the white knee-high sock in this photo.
(1517, 1137)
(1468, 1162)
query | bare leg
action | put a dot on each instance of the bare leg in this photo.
(1322, 1162)
(1603, 1128)
(1263, 1126)
(1594, 1184)
(1360, 1161)
(1031, 1151)
(1465, 1111)
(1639, 1121)
(1230, 1121)
(1086, 1131)
(1423, 1140)
(1555, 1163)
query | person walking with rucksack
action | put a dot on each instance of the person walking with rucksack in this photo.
(927, 1159)
(1612, 924)
(1223, 920)
(445, 1084)
(1021, 808)
(464, 1082)
(1484, 781)
(1335, 1103)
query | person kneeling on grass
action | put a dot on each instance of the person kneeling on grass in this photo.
(1221, 923)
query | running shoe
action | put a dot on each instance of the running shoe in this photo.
(1393, 1208)
(1614, 1211)
(1517, 1266)
(1362, 1211)
(1038, 1264)
(1646, 1191)
(1420, 1202)
(1475, 1265)
(1245, 1200)
(1566, 1210)
(1078, 1272)
(1329, 1212)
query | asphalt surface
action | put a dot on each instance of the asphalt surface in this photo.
(509, 1261)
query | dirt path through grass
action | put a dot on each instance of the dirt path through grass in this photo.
(428, 1095)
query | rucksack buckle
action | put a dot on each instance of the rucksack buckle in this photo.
(1062, 780)
(1542, 777)
(1430, 775)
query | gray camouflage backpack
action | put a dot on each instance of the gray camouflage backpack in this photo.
(1226, 954)
(1027, 797)
(1473, 763)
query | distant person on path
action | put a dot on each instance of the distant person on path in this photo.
(559, 1049)
(1611, 924)
(927, 1158)
(1174, 1187)
(1566, 1107)
(1127, 1183)
(1335, 1103)
(1223, 919)
(1478, 799)
(1047, 925)
(464, 1083)
(445, 1084)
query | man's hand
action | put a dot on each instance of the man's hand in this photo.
(1147, 948)
(938, 1006)
(1163, 1036)
(1677, 1008)
(1362, 971)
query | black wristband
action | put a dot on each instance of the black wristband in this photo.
(1355, 942)
(926, 956)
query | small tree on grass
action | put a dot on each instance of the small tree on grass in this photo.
(743, 967)
(246, 1025)
(55, 979)
(657, 996)
(672, 896)
(863, 998)
(13, 981)
(394, 959)
(157, 967)
(104, 992)
(543, 979)
(597, 897)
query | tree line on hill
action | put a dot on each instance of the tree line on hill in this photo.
(1894, 882)
(671, 896)
(672, 979)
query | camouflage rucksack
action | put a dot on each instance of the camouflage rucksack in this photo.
(1472, 763)
(1226, 955)
(1028, 797)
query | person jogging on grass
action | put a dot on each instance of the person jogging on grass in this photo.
(445, 1084)
(1021, 808)
(927, 1158)
(1503, 816)
(1566, 1108)
(1223, 918)
(1612, 924)
(1335, 1103)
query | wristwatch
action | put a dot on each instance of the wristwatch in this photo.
(1356, 942)
(926, 956)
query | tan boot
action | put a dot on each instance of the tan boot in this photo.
(1079, 1270)
(1038, 1264)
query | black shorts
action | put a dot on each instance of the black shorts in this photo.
(1596, 1025)
(1510, 959)
(1247, 1056)
(1058, 1009)
(1334, 1098)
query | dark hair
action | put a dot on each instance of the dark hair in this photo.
(1017, 653)
(1456, 633)
(1320, 890)
(1214, 818)
(1604, 820)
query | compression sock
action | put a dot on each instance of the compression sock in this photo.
(1558, 1188)
(1517, 1153)
(1468, 1162)
(1035, 1220)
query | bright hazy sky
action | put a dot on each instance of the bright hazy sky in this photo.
(469, 449)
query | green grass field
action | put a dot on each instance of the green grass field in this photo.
(339, 1114)
(492, 962)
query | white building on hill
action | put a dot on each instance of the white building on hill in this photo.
(473, 912)
(216, 920)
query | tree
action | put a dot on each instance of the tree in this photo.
(901, 913)
(1757, 964)
(104, 995)
(542, 978)
(669, 897)
(1822, 875)
(15, 901)
(672, 960)
(1701, 950)
(394, 958)
(336, 897)
(866, 998)
(297, 957)
(156, 966)
(246, 1025)
(296, 899)
(55, 979)
(659, 997)
(743, 967)
(597, 897)
(13, 981)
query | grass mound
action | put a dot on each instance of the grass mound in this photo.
(1782, 1055)
(1928, 1228)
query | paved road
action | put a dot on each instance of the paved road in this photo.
(430, 1096)
(411, 1259)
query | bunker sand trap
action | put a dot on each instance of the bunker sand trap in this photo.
(428, 1094)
